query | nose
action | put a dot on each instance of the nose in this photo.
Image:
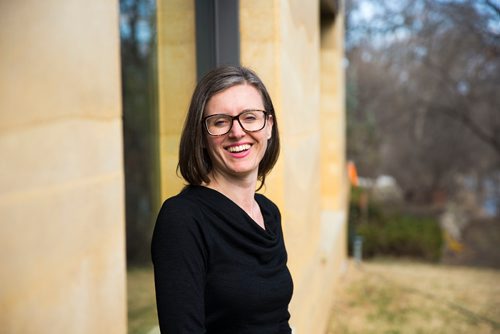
(236, 130)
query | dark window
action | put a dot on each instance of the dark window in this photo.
(140, 134)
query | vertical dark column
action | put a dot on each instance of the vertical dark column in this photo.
(140, 126)
(217, 34)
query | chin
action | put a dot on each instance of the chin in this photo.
(239, 170)
(242, 171)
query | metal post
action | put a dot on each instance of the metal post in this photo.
(358, 249)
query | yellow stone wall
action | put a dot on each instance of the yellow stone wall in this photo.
(61, 176)
(176, 82)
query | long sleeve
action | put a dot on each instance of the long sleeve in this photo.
(179, 256)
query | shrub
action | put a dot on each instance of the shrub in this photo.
(402, 235)
(388, 232)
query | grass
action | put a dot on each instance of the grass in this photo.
(379, 297)
(408, 297)
(142, 318)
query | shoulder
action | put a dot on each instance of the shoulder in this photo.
(263, 200)
(186, 203)
(177, 214)
(268, 205)
(179, 204)
(179, 227)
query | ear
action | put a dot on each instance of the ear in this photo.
(269, 126)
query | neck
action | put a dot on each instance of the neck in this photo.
(239, 190)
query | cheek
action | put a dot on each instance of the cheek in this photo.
(212, 144)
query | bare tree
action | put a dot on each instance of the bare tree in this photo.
(424, 76)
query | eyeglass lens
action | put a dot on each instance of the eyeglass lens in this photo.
(251, 121)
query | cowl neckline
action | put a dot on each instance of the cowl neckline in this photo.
(234, 215)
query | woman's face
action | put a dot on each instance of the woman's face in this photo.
(237, 154)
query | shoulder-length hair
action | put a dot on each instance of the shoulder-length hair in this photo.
(194, 161)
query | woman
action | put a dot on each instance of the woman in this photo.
(218, 251)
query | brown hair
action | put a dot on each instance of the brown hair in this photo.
(194, 161)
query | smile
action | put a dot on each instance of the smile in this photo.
(239, 148)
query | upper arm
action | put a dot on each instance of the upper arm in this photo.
(179, 254)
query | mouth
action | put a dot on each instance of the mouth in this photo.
(238, 148)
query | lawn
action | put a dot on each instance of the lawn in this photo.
(408, 297)
(379, 297)
(142, 318)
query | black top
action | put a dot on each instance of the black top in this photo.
(216, 270)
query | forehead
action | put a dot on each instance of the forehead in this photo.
(234, 99)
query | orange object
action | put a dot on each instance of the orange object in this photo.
(352, 173)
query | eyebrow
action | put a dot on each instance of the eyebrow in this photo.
(241, 112)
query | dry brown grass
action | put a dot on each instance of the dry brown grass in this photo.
(408, 297)
(142, 316)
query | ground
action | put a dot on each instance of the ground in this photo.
(408, 297)
(480, 240)
(142, 317)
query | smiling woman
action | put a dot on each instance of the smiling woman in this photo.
(218, 251)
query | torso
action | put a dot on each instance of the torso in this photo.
(248, 285)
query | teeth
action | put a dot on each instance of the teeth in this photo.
(239, 148)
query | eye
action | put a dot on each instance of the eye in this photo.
(219, 121)
(249, 117)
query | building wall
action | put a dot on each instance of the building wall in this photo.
(61, 175)
(299, 58)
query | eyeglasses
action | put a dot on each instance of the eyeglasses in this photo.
(249, 120)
